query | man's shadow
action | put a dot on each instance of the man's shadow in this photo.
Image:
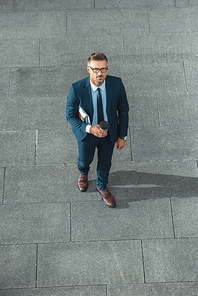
(127, 186)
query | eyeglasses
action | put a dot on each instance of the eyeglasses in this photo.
(96, 70)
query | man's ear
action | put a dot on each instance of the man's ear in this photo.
(88, 69)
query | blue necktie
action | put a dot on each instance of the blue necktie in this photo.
(99, 107)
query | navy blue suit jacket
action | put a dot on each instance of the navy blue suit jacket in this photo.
(117, 107)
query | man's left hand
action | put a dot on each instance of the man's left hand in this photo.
(120, 144)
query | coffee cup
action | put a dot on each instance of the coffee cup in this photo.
(104, 126)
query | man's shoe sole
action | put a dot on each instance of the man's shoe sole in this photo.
(82, 190)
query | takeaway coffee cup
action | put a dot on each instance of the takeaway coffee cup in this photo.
(104, 126)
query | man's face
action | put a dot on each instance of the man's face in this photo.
(97, 78)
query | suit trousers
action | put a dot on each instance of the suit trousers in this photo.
(87, 148)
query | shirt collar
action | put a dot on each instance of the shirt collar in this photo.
(95, 87)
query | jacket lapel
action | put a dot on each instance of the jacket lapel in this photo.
(108, 95)
(88, 98)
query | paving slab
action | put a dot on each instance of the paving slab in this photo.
(170, 260)
(1, 184)
(164, 143)
(143, 110)
(6, 5)
(178, 109)
(90, 263)
(159, 171)
(30, 25)
(140, 78)
(185, 216)
(130, 181)
(18, 266)
(44, 81)
(45, 184)
(133, 4)
(112, 22)
(140, 220)
(66, 51)
(4, 82)
(191, 76)
(32, 113)
(21, 5)
(17, 148)
(171, 47)
(56, 146)
(35, 223)
(19, 53)
(171, 20)
(8, 119)
(191, 2)
(65, 291)
(163, 289)
(186, 3)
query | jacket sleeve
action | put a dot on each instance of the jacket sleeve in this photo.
(72, 111)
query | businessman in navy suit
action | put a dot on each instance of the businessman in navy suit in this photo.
(102, 97)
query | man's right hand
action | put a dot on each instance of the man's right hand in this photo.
(97, 132)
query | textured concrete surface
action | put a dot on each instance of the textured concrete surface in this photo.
(55, 240)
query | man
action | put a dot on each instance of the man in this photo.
(102, 97)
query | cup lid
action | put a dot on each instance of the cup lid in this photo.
(104, 125)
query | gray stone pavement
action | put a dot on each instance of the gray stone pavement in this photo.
(55, 240)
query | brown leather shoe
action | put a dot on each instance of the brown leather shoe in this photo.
(107, 197)
(82, 182)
